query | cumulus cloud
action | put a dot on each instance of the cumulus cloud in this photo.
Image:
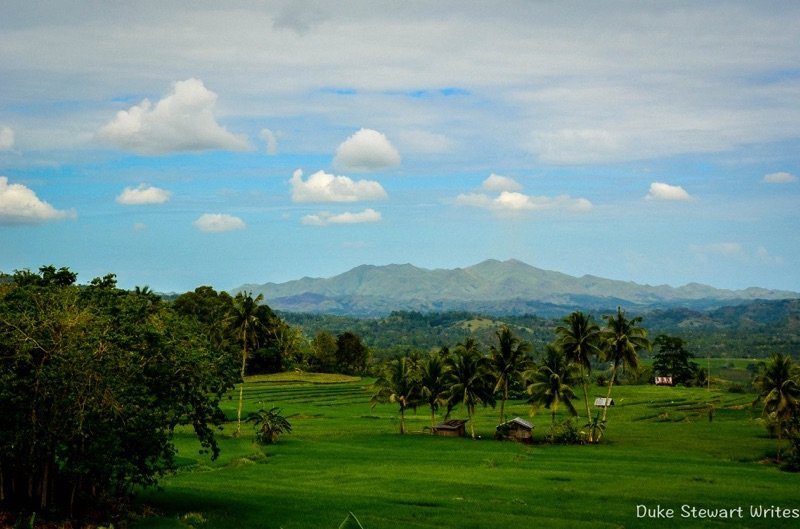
(366, 150)
(271, 140)
(324, 218)
(324, 187)
(508, 198)
(20, 205)
(779, 178)
(181, 121)
(6, 138)
(136, 196)
(496, 183)
(662, 191)
(218, 222)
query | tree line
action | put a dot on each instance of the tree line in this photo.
(466, 376)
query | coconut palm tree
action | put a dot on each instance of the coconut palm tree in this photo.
(579, 339)
(244, 322)
(622, 339)
(433, 383)
(778, 384)
(551, 383)
(509, 359)
(471, 383)
(399, 384)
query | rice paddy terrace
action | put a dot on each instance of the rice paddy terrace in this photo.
(701, 455)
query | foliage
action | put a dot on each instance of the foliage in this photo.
(93, 383)
(564, 433)
(778, 385)
(270, 424)
(622, 340)
(550, 383)
(399, 384)
(673, 359)
(509, 359)
(351, 354)
(579, 338)
(471, 382)
(433, 383)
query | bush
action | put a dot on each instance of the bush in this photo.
(564, 433)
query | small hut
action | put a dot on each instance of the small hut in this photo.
(602, 402)
(516, 429)
(451, 428)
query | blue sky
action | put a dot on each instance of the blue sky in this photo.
(242, 142)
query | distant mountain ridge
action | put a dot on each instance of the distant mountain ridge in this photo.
(492, 287)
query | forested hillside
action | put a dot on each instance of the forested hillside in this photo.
(753, 329)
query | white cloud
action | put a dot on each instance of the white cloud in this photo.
(20, 205)
(719, 248)
(181, 121)
(136, 196)
(512, 201)
(779, 178)
(366, 150)
(271, 140)
(324, 187)
(662, 191)
(324, 218)
(496, 183)
(6, 138)
(502, 195)
(218, 222)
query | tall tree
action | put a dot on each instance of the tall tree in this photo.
(622, 338)
(551, 383)
(433, 383)
(398, 385)
(471, 383)
(778, 384)
(672, 359)
(245, 324)
(351, 353)
(509, 359)
(579, 337)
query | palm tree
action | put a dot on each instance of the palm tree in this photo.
(579, 339)
(470, 382)
(778, 384)
(399, 384)
(551, 383)
(269, 425)
(245, 324)
(509, 360)
(622, 339)
(433, 383)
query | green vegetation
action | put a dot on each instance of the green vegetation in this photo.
(106, 391)
(342, 456)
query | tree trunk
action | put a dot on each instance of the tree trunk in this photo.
(503, 403)
(778, 447)
(433, 419)
(586, 400)
(402, 420)
(608, 396)
(238, 431)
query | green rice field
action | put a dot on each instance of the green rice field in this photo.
(660, 452)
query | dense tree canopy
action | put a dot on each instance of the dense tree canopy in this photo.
(93, 381)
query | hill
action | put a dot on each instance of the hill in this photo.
(491, 287)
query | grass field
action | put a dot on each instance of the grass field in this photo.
(660, 449)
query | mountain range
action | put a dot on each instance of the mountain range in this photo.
(489, 287)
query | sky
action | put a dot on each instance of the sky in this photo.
(181, 144)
